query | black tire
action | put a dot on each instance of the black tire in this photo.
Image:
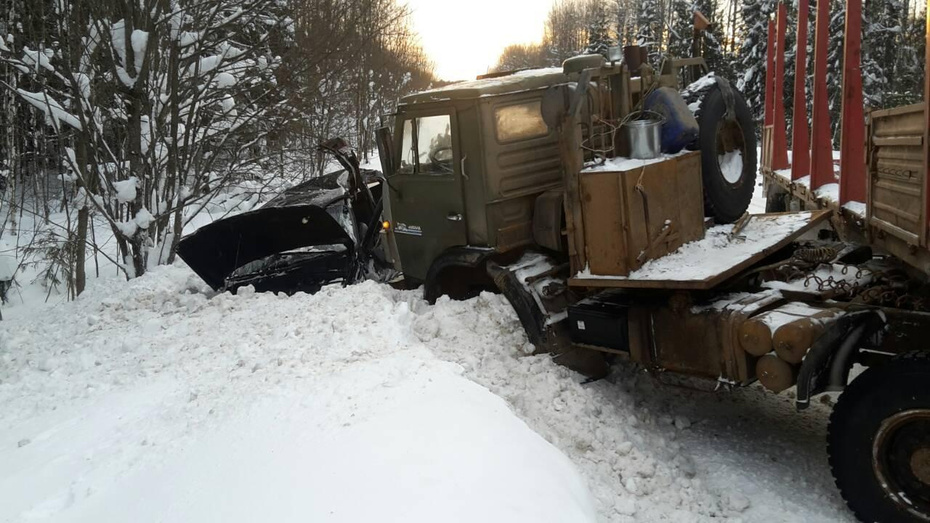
(726, 197)
(878, 441)
(457, 282)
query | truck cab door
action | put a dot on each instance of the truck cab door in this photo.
(426, 190)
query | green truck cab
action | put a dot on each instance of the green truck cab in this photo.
(471, 160)
(475, 171)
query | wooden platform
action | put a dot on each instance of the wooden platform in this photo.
(706, 263)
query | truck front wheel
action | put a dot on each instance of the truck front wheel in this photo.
(879, 441)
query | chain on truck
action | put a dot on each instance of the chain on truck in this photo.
(607, 201)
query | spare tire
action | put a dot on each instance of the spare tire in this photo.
(728, 151)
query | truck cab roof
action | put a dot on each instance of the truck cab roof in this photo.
(527, 80)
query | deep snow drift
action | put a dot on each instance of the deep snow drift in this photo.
(160, 401)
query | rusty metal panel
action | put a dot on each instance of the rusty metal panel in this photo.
(687, 343)
(513, 222)
(896, 175)
(698, 340)
(639, 214)
(516, 167)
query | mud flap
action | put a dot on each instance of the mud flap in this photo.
(536, 291)
(827, 364)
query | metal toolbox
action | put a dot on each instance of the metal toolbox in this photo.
(640, 211)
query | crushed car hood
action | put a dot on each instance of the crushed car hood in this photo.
(216, 250)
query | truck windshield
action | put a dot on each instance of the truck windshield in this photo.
(427, 146)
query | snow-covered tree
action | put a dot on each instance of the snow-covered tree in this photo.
(146, 110)
(681, 32)
(564, 32)
(711, 42)
(597, 26)
(625, 16)
(164, 103)
(882, 33)
(650, 22)
(907, 83)
(519, 56)
(752, 52)
(835, 64)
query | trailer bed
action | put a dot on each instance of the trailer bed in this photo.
(706, 263)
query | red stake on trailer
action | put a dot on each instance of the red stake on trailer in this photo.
(780, 135)
(800, 135)
(821, 144)
(769, 73)
(852, 133)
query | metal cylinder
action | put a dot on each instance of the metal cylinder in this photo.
(644, 136)
(633, 58)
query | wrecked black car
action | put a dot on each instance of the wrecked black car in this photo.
(326, 230)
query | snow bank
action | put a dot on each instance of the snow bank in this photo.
(158, 400)
(158, 403)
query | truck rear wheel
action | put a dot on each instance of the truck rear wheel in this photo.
(879, 441)
(728, 154)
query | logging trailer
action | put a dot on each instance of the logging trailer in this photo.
(519, 183)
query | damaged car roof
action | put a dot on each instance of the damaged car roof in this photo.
(296, 218)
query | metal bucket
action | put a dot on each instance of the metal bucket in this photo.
(644, 134)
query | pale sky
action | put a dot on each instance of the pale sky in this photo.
(465, 37)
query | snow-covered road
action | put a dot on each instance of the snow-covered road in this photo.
(160, 401)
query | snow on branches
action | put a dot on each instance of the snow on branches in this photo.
(164, 103)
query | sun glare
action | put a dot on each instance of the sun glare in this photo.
(464, 38)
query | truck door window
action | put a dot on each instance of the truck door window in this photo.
(426, 146)
(434, 143)
(408, 153)
(520, 122)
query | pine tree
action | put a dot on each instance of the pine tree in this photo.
(564, 31)
(907, 84)
(835, 64)
(625, 21)
(649, 33)
(711, 41)
(597, 27)
(681, 33)
(752, 55)
(882, 34)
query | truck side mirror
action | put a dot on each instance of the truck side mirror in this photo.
(385, 140)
